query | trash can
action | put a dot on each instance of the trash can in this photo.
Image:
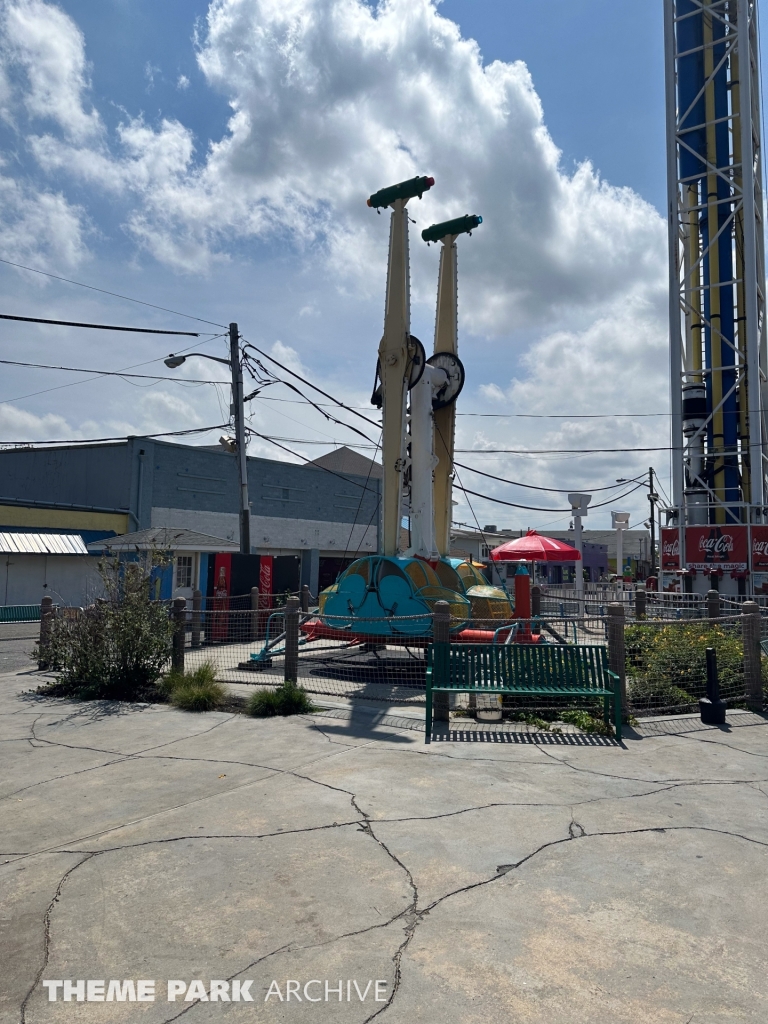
(488, 706)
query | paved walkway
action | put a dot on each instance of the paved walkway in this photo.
(490, 877)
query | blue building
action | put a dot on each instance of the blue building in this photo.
(310, 520)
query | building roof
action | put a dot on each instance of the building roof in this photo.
(42, 544)
(164, 538)
(344, 460)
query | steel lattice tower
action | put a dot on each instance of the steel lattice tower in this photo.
(718, 356)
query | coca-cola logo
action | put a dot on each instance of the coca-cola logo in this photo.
(760, 547)
(722, 545)
(671, 548)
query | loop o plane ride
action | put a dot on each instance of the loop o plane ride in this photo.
(394, 592)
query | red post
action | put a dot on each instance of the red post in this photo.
(523, 603)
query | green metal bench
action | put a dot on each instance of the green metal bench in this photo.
(542, 670)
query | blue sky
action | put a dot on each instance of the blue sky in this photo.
(136, 178)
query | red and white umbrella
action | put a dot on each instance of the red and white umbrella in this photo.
(533, 547)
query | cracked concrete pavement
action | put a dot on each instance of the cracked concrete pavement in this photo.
(484, 878)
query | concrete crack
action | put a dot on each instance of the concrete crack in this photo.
(47, 934)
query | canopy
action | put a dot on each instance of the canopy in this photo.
(535, 548)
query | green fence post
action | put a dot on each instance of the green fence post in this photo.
(441, 635)
(617, 658)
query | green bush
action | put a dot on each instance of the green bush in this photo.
(667, 665)
(586, 722)
(116, 648)
(198, 696)
(288, 699)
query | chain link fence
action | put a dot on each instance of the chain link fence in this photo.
(260, 644)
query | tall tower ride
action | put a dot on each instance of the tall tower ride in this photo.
(718, 357)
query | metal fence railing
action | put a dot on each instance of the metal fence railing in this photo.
(662, 659)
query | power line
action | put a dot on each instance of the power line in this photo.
(98, 327)
(110, 373)
(115, 295)
(5, 445)
(532, 508)
(563, 415)
(534, 487)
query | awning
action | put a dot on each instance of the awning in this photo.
(42, 544)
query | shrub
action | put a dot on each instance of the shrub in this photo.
(288, 699)
(586, 722)
(205, 696)
(667, 665)
(116, 648)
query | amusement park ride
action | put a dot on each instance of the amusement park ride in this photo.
(717, 521)
(394, 592)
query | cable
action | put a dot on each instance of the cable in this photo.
(115, 295)
(360, 505)
(5, 445)
(533, 487)
(533, 508)
(109, 373)
(325, 469)
(313, 386)
(100, 327)
(569, 451)
(563, 415)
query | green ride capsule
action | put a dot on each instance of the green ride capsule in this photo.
(404, 190)
(451, 227)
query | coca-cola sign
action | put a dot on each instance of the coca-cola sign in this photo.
(670, 549)
(708, 546)
(760, 548)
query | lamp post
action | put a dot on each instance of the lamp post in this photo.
(620, 523)
(579, 504)
(238, 412)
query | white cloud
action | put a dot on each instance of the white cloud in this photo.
(46, 47)
(18, 425)
(182, 82)
(39, 228)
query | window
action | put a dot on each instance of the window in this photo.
(485, 551)
(184, 572)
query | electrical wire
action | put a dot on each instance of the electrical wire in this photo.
(5, 445)
(533, 508)
(303, 458)
(110, 373)
(534, 487)
(115, 295)
(98, 327)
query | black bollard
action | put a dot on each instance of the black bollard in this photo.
(712, 709)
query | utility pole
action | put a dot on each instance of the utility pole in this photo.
(238, 412)
(652, 499)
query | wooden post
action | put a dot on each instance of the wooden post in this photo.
(254, 613)
(441, 636)
(750, 628)
(616, 650)
(291, 640)
(197, 605)
(179, 633)
(713, 604)
(46, 625)
(305, 598)
(640, 602)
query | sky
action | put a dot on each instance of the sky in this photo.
(214, 160)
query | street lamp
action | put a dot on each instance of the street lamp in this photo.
(579, 504)
(238, 411)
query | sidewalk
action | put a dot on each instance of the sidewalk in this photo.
(488, 877)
